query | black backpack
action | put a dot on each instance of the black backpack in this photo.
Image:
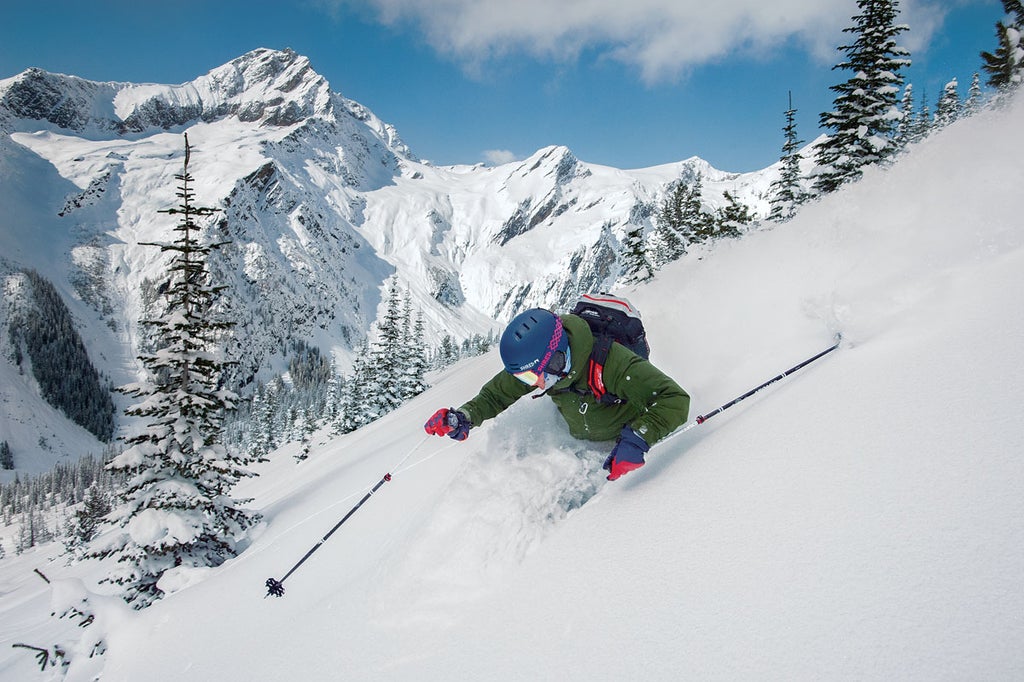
(612, 319)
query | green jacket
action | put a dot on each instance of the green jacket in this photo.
(654, 404)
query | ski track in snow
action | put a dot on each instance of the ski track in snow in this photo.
(507, 497)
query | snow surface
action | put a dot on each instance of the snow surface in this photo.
(863, 519)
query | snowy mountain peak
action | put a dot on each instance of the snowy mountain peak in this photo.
(266, 87)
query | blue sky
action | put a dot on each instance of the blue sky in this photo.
(622, 84)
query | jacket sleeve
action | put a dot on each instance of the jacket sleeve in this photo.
(496, 396)
(665, 405)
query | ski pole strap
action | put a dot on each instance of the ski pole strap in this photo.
(704, 417)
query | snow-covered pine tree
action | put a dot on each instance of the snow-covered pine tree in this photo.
(948, 108)
(697, 225)
(414, 357)
(636, 264)
(787, 192)
(335, 390)
(923, 123)
(83, 526)
(1005, 66)
(264, 431)
(447, 353)
(356, 397)
(732, 219)
(905, 128)
(974, 96)
(389, 371)
(865, 111)
(175, 510)
(388, 354)
(667, 243)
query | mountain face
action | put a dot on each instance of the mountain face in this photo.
(264, 87)
(321, 201)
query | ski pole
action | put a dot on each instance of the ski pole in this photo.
(276, 587)
(704, 417)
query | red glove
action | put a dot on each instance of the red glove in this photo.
(449, 422)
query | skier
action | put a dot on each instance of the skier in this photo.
(542, 350)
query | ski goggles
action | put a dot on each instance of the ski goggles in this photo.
(549, 374)
(531, 378)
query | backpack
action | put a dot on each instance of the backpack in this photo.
(612, 319)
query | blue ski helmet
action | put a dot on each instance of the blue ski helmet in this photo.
(530, 340)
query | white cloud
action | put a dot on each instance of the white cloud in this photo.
(496, 157)
(660, 38)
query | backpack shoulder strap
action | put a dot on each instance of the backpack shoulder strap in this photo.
(595, 370)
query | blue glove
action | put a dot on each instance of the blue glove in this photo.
(449, 422)
(627, 455)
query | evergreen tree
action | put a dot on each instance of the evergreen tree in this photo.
(387, 355)
(335, 390)
(175, 509)
(263, 424)
(389, 371)
(85, 523)
(787, 193)
(415, 361)
(949, 108)
(733, 219)
(636, 265)
(974, 96)
(697, 224)
(905, 128)
(448, 353)
(6, 458)
(1005, 66)
(865, 111)
(356, 407)
(923, 123)
(667, 243)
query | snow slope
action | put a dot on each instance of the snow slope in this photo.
(863, 519)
